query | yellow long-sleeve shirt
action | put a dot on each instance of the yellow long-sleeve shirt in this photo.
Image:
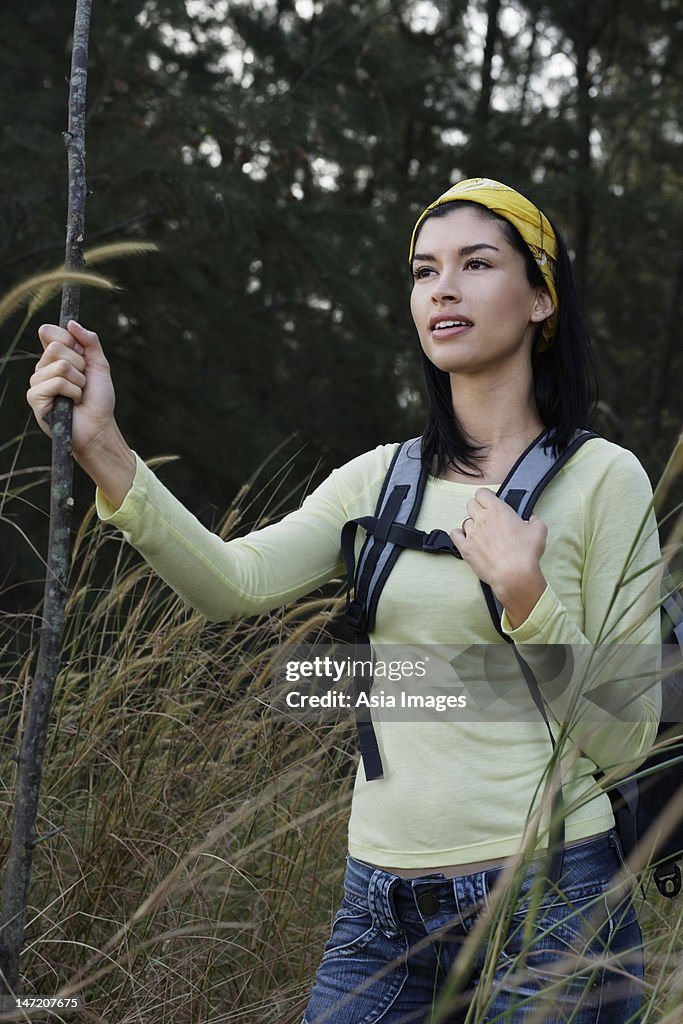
(455, 790)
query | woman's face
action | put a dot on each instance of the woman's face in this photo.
(472, 303)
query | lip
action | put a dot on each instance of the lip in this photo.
(449, 332)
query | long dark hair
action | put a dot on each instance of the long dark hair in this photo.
(564, 374)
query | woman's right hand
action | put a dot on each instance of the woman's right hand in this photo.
(73, 364)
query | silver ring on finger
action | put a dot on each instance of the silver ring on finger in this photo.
(467, 519)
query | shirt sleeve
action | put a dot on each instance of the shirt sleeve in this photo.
(242, 576)
(602, 678)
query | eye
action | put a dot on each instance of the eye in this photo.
(422, 272)
(476, 263)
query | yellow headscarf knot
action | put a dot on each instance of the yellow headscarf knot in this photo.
(532, 224)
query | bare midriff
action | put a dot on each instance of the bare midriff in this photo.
(472, 868)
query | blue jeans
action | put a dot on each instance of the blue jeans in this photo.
(394, 940)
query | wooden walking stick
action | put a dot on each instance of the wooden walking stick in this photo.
(30, 759)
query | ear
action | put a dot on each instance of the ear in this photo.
(543, 306)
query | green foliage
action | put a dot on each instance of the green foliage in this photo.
(279, 153)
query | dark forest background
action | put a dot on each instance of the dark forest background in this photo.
(278, 153)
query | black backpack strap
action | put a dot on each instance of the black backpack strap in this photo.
(525, 483)
(389, 531)
(521, 489)
(672, 603)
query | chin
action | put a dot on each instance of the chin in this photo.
(454, 362)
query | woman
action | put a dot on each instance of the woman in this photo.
(505, 356)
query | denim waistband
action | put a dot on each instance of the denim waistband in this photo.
(587, 869)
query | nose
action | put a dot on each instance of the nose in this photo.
(447, 286)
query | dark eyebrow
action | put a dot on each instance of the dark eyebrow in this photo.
(466, 250)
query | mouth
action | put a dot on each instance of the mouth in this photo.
(449, 327)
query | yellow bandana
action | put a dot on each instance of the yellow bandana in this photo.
(533, 226)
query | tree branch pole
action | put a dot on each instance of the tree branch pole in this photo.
(30, 759)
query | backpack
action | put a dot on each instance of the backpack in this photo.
(637, 801)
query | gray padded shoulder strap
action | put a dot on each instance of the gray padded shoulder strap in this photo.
(525, 483)
(534, 470)
(399, 502)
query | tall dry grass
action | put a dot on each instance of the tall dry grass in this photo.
(192, 841)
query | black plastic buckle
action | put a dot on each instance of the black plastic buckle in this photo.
(356, 617)
(438, 540)
(668, 880)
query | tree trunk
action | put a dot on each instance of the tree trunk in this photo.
(30, 760)
(484, 102)
(528, 71)
(478, 147)
(584, 190)
(663, 358)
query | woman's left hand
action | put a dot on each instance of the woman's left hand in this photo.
(504, 551)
